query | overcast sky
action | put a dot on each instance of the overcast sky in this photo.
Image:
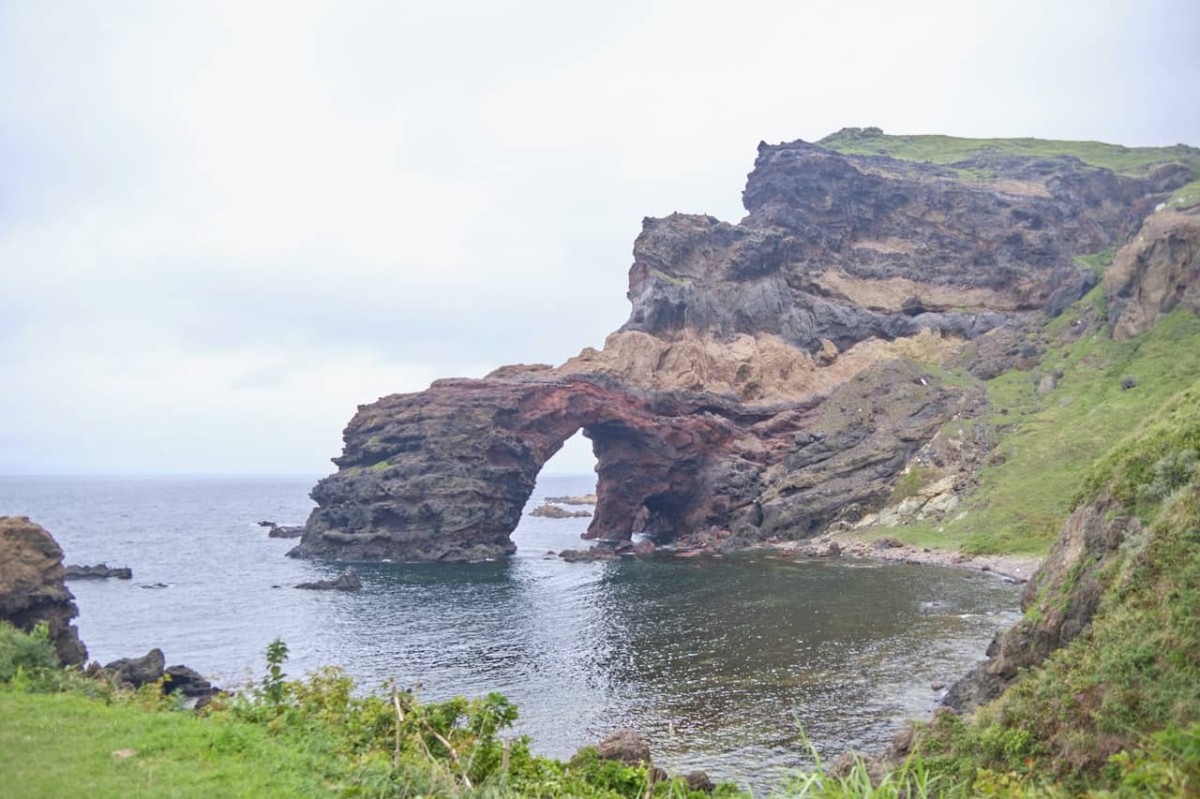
(224, 225)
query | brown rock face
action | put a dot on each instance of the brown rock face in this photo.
(32, 587)
(1154, 273)
(774, 376)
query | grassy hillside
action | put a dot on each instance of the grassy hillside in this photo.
(949, 150)
(1047, 443)
(1131, 680)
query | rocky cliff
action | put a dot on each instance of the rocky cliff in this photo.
(778, 374)
(32, 587)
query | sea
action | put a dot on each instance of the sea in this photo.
(733, 665)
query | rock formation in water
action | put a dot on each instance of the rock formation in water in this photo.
(32, 587)
(100, 571)
(775, 375)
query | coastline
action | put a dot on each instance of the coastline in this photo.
(1012, 568)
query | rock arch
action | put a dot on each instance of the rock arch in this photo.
(444, 474)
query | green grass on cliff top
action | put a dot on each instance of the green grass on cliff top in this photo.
(62, 745)
(1047, 445)
(947, 150)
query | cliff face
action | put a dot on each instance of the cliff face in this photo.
(774, 376)
(32, 587)
(854, 248)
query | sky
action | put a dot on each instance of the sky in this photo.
(224, 225)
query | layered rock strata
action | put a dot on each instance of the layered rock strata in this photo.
(774, 376)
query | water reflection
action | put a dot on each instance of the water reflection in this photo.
(718, 662)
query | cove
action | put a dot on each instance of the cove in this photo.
(717, 662)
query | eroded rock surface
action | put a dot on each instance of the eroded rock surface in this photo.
(32, 587)
(775, 375)
(1156, 272)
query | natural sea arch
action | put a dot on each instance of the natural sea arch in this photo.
(445, 474)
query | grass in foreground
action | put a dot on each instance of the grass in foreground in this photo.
(66, 735)
(65, 745)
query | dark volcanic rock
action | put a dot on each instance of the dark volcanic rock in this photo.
(137, 671)
(186, 681)
(852, 247)
(446, 473)
(346, 581)
(101, 571)
(32, 588)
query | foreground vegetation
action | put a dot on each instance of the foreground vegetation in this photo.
(63, 734)
(1117, 711)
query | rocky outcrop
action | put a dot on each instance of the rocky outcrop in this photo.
(346, 581)
(1059, 601)
(136, 672)
(586, 499)
(548, 511)
(101, 571)
(1156, 272)
(774, 376)
(282, 531)
(32, 588)
(849, 248)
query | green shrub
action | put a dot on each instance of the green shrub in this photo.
(25, 652)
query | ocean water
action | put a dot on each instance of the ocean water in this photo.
(721, 663)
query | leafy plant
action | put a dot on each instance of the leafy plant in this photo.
(21, 653)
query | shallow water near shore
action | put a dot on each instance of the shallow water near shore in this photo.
(719, 662)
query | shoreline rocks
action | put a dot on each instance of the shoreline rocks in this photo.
(133, 673)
